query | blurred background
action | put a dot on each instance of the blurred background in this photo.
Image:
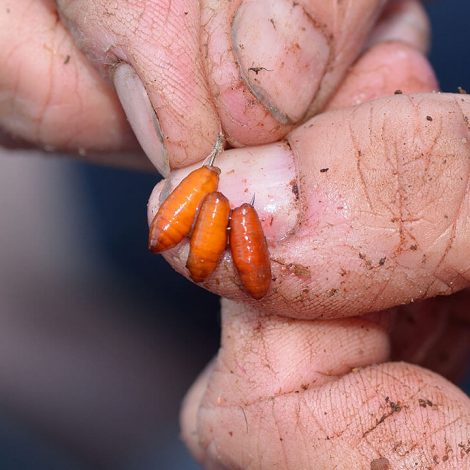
(99, 340)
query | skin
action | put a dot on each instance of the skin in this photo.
(44, 101)
(384, 225)
(291, 376)
(216, 92)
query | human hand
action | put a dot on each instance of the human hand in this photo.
(202, 64)
(293, 357)
(304, 376)
(364, 209)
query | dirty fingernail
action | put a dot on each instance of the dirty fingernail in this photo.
(267, 171)
(141, 115)
(282, 55)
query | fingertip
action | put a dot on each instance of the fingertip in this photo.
(51, 94)
(266, 74)
(158, 73)
(276, 45)
(268, 171)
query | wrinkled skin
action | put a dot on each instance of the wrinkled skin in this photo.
(365, 209)
(187, 54)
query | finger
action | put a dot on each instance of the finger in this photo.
(384, 70)
(49, 94)
(377, 214)
(290, 394)
(272, 64)
(405, 21)
(235, 79)
(151, 49)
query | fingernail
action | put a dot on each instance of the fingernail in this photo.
(267, 171)
(141, 116)
(282, 55)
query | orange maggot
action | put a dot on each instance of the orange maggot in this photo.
(176, 215)
(250, 251)
(209, 237)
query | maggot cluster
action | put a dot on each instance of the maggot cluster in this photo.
(196, 209)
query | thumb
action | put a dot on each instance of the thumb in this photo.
(301, 394)
(364, 208)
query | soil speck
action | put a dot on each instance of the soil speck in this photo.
(380, 464)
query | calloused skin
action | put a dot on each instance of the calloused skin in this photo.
(363, 195)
